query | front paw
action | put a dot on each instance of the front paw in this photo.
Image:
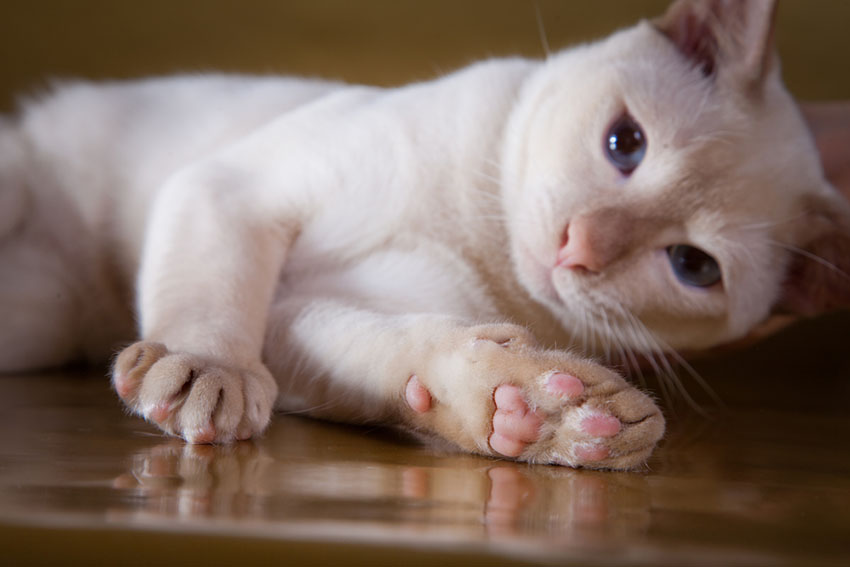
(597, 421)
(500, 394)
(194, 397)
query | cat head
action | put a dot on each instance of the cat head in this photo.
(662, 189)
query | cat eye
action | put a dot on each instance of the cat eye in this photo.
(625, 144)
(692, 266)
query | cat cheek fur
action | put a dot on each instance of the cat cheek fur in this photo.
(817, 277)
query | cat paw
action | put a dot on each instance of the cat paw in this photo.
(566, 426)
(193, 397)
(511, 398)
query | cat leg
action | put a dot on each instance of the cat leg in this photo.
(210, 265)
(487, 389)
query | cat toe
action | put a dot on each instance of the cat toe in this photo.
(131, 366)
(193, 397)
(417, 396)
(506, 446)
(515, 424)
(201, 436)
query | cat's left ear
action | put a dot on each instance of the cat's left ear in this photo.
(818, 277)
(731, 40)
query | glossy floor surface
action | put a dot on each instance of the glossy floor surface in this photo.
(764, 482)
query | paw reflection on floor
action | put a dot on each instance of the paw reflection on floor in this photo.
(765, 484)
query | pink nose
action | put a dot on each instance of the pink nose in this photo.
(577, 252)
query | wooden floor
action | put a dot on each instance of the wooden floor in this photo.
(765, 481)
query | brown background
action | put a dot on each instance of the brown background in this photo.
(373, 41)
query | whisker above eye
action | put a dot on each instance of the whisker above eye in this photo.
(770, 224)
(813, 257)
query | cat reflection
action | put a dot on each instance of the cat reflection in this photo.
(452, 498)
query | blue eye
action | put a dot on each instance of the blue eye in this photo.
(625, 144)
(693, 266)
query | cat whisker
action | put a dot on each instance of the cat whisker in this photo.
(492, 162)
(488, 177)
(649, 355)
(630, 330)
(705, 101)
(697, 377)
(722, 137)
(584, 336)
(649, 352)
(813, 257)
(607, 345)
(770, 224)
(676, 382)
(541, 30)
(625, 353)
(503, 218)
(658, 347)
(308, 410)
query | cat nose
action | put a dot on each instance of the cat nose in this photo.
(577, 252)
(593, 241)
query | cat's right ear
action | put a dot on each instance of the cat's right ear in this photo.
(730, 40)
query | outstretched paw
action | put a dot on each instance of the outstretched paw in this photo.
(561, 419)
(193, 397)
(516, 426)
(510, 398)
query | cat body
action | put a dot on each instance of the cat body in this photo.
(416, 256)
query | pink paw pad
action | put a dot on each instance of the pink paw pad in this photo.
(514, 423)
(417, 396)
(592, 453)
(123, 385)
(601, 425)
(244, 433)
(160, 412)
(202, 436)
(564, 385)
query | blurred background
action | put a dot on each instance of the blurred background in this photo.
(383, 42)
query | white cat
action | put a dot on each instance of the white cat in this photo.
(414, 256)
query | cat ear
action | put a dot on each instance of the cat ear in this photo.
(818, 277)
(724, 38)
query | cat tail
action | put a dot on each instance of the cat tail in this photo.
(13, 187)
